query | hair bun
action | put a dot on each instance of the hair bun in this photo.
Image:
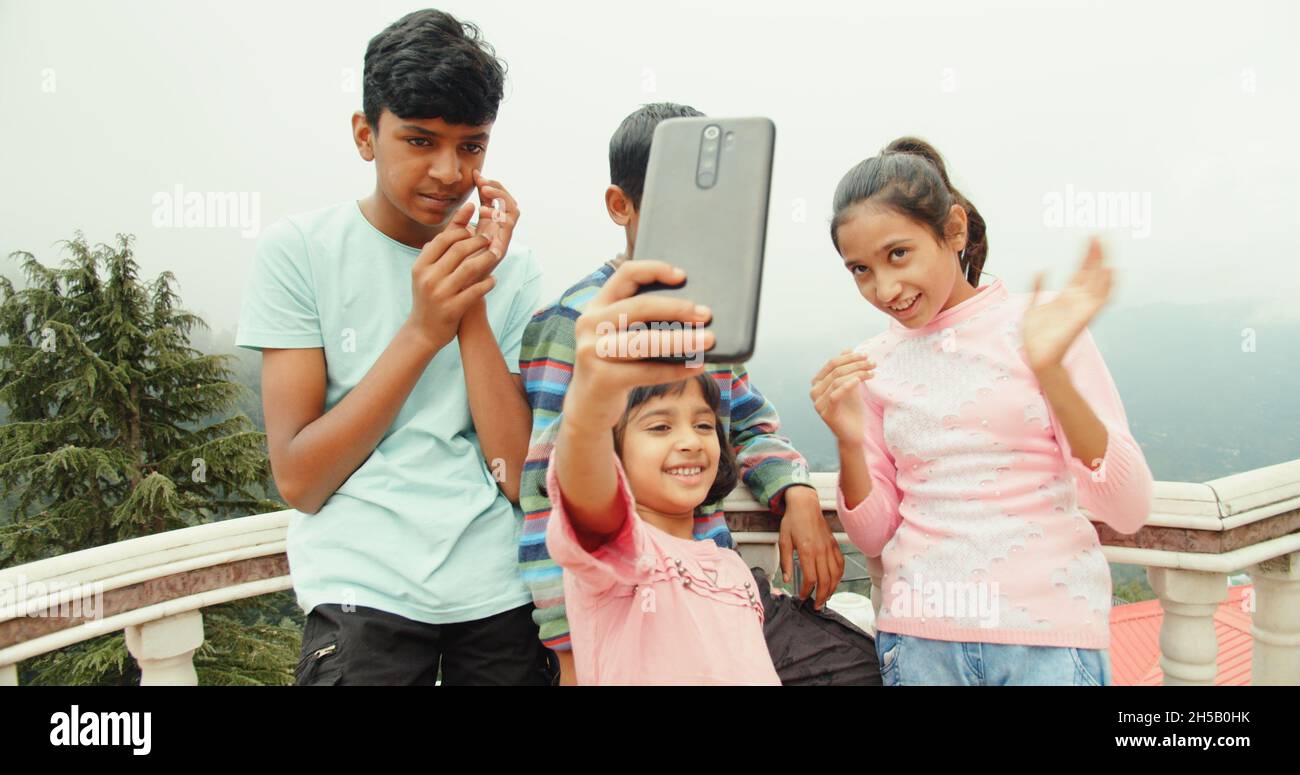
(915, 146)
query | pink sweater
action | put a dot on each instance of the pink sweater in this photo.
(651, 608)
(975, 495)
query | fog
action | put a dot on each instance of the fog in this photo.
(1187, 115)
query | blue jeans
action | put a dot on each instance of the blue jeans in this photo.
(907, 660)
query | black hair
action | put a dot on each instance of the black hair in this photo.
(728, 469)
(909, 177)
(629, 148)
(429, 64)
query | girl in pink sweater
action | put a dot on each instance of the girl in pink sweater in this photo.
(970, 435)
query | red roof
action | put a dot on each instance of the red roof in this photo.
(1135, 640)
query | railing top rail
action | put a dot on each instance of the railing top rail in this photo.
(138, 559)
(1275, 488)
(1227, 503)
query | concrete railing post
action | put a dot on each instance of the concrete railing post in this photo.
(1275, 624)
(1189, 648)
(165, 649)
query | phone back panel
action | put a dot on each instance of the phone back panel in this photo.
(715, 232)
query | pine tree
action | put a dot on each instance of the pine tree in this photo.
(118, 428)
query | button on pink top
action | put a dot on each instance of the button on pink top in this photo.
(975, 499)
(651, 608)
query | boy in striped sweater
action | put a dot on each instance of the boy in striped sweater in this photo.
(775, 473)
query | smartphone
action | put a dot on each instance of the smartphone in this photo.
(704, 209)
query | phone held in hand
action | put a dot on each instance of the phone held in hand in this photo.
(704, 209)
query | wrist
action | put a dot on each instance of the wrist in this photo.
(475, 317)
(851, 452)
(591, 410)
(582, 433)
(1052, 376)
(801, 495)
(413, 335)
(843, 445)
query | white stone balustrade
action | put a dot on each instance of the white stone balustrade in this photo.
(154, 588)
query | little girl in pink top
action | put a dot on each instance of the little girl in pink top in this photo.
(640, 447)
(971, 433)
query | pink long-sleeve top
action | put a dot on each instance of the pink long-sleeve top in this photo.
(647, 607)
(975, 495)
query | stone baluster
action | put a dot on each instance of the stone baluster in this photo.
(165, 649)
(1275, 626)
(1189, 648)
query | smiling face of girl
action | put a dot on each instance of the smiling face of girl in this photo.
(900, 265)
(914, 244)
(670, 449)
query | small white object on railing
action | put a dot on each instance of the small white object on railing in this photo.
(856, 608)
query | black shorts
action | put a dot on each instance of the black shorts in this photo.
(366, 646)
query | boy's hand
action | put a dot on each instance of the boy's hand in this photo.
(609, 354)
(498, 213)
(497, 216)
(452, 272)
(803, 528)
(835, 394)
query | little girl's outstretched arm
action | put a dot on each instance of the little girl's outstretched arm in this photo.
(607, 365)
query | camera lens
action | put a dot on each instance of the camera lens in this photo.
(711, 133)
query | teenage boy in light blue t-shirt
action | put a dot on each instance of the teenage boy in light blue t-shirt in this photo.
(395, 414)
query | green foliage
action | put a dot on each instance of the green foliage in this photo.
(103, 661)
(1129, 583)
(118, 428)
(1133, 591)
(249, 643)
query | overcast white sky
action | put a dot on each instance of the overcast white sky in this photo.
(108, 103)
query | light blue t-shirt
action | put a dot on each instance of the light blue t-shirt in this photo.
(421, 529)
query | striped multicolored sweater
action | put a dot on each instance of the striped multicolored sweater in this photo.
(768, 462)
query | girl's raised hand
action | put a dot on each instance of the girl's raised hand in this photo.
(836, 397)
(615, 335)
(1049, 329)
